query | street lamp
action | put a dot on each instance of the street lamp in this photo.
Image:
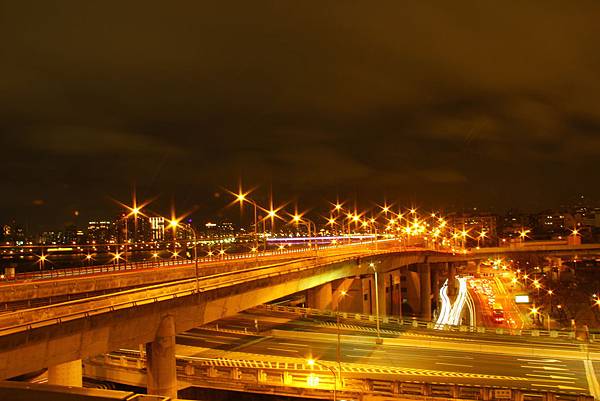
(339, 342)
(174, 224)
(242, 197)
(311, 362)
(372, 266)
(550, 292)
(534, 311)
(523, 234)
(298, 219)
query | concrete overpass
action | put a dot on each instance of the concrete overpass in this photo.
(56, 335)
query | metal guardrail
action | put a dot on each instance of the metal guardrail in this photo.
(153, 264)
(419, 324)
(278, 377)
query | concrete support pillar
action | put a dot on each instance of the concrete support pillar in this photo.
(338, 299)
(383, 281)
(451, 279)
(66, 374)
(435, 286)
(353, 301)
(161, 377)
(320, 297)
(10, 272)
(425, 290)
(396, 293)
(412, 290)
(368, 296)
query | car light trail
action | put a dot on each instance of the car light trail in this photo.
(446, 307)
(450, 313)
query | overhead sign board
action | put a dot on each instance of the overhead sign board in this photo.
(522, 299)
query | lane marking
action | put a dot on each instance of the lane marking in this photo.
(455, 356)
(295, 344)
(283, 349)
(591, 378)
(562, 373)
(542, 367)
(454, 364)
(552, 376)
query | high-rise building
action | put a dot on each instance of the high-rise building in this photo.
(476, 224)
(101, 232)
(157, 228)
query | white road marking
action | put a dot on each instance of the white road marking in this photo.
(542, 367)
(282, 349)
(539, 360)
(455, 356)
(551, 376)
(454, 364)
(295, 344)
(591, 378)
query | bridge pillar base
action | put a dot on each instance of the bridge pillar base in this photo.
(320, 297)
(425, 290)
(451, 279)
(66, 374)
(161, 377)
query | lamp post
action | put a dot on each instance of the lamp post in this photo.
(298, 219)
(241, 197)
(550, 292)
(339, 341)
(311, 362)
(372, 266)
(174, 224)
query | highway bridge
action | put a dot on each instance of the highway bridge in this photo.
(411, 360)
(123, 309)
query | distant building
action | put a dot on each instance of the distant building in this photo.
(12, 234)
(133, 229)
(101, 232)
(511, 224)
(51, 238)
(476, 224)
(73, 235)
(217, 231)
(551, 224)
(157, 228)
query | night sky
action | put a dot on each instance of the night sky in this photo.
(454, 105)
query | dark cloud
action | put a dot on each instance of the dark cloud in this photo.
(461, 103)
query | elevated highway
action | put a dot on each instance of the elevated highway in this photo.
(31, 339)
(231, 355)
(150, 306)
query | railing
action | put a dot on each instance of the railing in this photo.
(263, 376)
(420, 324)
(171, 262)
